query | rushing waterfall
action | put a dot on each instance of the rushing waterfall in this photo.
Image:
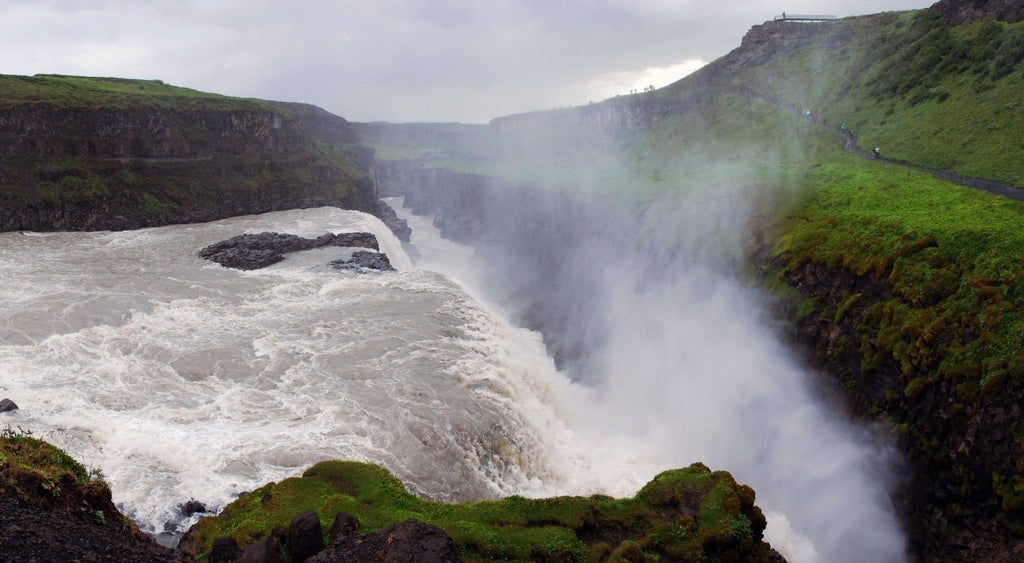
(689, 367)
(181, 379)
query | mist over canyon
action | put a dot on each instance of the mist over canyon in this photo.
(714, 301)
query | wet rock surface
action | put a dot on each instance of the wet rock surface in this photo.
(254, 251)
(363, 259)
(400, 227)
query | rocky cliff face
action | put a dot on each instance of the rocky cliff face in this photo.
(958, 500)
(42, 131)
(770, 39)
(116, 166)
(956, 12)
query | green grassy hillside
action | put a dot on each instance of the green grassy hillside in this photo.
(108, 93)
(938, 96)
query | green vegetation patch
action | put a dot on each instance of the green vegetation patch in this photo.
(38, 472)
(690, 514)
(949, 319)
(951, 256)
(83, 92)
(937, 96)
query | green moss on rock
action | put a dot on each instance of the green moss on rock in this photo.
(689, 514)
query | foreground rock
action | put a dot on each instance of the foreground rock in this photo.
(33, 533)
(690, 514)
(254, 251)
(411, 540)
(52, 509)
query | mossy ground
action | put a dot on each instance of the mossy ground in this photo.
(690, 514)
(84, 92)
(39, 473)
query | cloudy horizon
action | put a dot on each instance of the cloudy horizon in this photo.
(394, 60)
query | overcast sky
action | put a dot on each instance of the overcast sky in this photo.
(394, 60)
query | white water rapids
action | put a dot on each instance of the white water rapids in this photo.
(183, 379)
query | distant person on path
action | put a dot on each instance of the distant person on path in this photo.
(875, 151)
(842, 127)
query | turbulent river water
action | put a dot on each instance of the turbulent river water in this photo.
(181, 379)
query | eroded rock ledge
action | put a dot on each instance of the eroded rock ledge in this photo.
(255, 251)
(687, 514)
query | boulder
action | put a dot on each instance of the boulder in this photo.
(191, 507)
(305, 536)
(7, 405)
(364, 259)
(224, 550)
(411, 540)
(344, 525)
(266, 550)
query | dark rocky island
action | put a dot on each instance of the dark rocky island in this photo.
(254, 251)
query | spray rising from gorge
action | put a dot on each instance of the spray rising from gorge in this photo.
(637, 282)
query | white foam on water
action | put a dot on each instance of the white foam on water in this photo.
(182, 379)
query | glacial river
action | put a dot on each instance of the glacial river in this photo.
(181, 379)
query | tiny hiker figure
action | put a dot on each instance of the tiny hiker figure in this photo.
(875, 151)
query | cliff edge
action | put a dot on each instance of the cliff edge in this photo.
(82, 153)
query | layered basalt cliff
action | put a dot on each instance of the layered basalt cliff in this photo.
(84, 154)
(960, 499)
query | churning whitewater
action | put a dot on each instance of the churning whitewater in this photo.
(181, 379)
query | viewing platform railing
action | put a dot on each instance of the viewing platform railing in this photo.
(802, 18)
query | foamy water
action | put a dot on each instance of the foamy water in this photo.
(181, 379)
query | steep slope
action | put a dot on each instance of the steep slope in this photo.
(936, 95)
(107, 153)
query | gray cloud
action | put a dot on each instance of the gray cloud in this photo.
(397, 60)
